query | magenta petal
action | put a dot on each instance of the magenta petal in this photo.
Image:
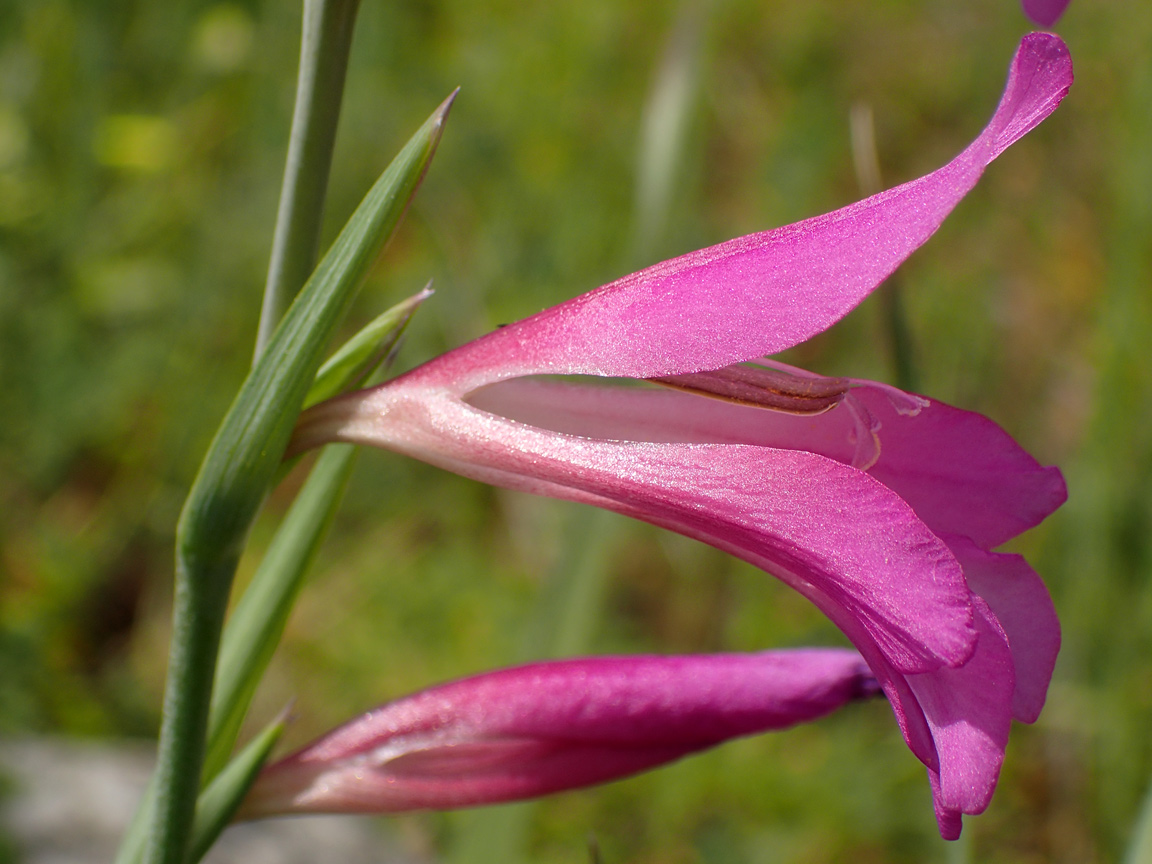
(546, 727)
(905, 705)
(956, 720)
(760, 294)
(807, 519)
(1024, 609)
(969, 710)
(875, 510)
(949, 820)
(1044, 12)
(962, 474)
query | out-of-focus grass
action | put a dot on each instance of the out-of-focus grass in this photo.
(140, 152)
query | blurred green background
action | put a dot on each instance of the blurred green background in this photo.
(141, 147)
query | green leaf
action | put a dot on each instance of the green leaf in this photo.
(350, 365)
(218, 803)
(236, 474)
(257, 622)
(243, 458)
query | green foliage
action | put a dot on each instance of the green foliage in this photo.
(236, 473)
(247, 449)
(254, 630)
(217, 802)
(350, 364)
(255, 627)
(222, 797)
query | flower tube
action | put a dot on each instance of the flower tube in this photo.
(881, 507)
(546, 727)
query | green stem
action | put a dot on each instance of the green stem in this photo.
(324, 47)
(198, 616)
(202, 587)
(1140, 849)
(237, 471)
(960, 851)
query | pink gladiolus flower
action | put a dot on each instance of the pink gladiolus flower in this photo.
(881, 507)
(1044, 12)
(547, 727)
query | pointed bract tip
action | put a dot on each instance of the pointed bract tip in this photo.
(287, 714)
(442, 112)
(411, 304)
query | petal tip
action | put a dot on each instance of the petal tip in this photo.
(1059, 485)
(1045, 12)
(949, 820)
(1039, 78)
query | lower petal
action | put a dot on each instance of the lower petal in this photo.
(810, 520)
(1022, 605)
(961, 472)
(969, 710)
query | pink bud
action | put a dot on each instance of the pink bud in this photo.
(546, 727)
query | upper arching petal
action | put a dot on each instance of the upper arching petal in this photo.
(763, 293)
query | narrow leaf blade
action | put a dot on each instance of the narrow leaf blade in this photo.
(258, 620)
(220, 800)
(250, 442)
(237, 471)
(215, 805)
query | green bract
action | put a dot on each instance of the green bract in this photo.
(221, 798)
(257, 622)
(353, 360)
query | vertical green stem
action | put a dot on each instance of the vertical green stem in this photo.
(1140, 848)
(960, 851)
(198, 616)
(324, 47)
(202, 587)
(570, 606)
(664, 130)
